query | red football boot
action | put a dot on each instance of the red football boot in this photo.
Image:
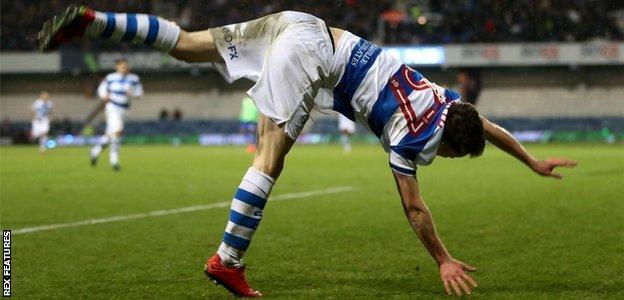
(232, 278)
(65, 26)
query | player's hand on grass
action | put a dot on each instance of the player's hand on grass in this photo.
(547, 166)
(455, 279)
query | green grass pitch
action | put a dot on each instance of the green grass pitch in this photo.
(530, 237)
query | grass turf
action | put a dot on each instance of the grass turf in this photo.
(529, 236)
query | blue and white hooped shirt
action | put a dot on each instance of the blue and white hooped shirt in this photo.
(120, 88)
(401, 107)
(42, 109)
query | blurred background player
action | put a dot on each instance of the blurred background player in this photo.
(347, 129)
(248, 119)
(116, 91)
(469, 81)
(41, 111)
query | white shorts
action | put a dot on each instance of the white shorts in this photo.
(114, 118)
(287, 54)
(345, 125)
(40, 127)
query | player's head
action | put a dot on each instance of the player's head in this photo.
(463, 132)
(44, 95)
(122, 66)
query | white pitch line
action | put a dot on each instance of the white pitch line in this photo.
(158, 213)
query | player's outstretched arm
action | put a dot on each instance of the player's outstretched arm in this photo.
(452, 271)
(502, 139)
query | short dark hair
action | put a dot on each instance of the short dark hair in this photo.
(463, 129)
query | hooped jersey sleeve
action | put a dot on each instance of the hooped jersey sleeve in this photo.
(102, 90)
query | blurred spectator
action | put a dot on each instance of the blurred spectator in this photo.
(163, 115)
(177, 114)
(12, 134)
(6, 130)
(63, 126)
(66, 126)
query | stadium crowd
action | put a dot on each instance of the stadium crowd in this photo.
(478, 21)
(385, 21)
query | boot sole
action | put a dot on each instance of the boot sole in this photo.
(52, 26)
(217, 281)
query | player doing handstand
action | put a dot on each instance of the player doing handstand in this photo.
(298, 64)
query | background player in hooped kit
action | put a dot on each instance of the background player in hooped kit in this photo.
(116, 91)
(347, 129)
(299, 63)
(41, 112)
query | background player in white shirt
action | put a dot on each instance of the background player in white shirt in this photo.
(298, 64)
(116, 91)
(347, 129)
(41, 113)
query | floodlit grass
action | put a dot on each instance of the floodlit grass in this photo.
(530, 237)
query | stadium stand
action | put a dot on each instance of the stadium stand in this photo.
(528, 100)
(552, 96)
(386, 21)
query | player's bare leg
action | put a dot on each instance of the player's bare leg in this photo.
(198, 46)
(273, 145)
(226, 266)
